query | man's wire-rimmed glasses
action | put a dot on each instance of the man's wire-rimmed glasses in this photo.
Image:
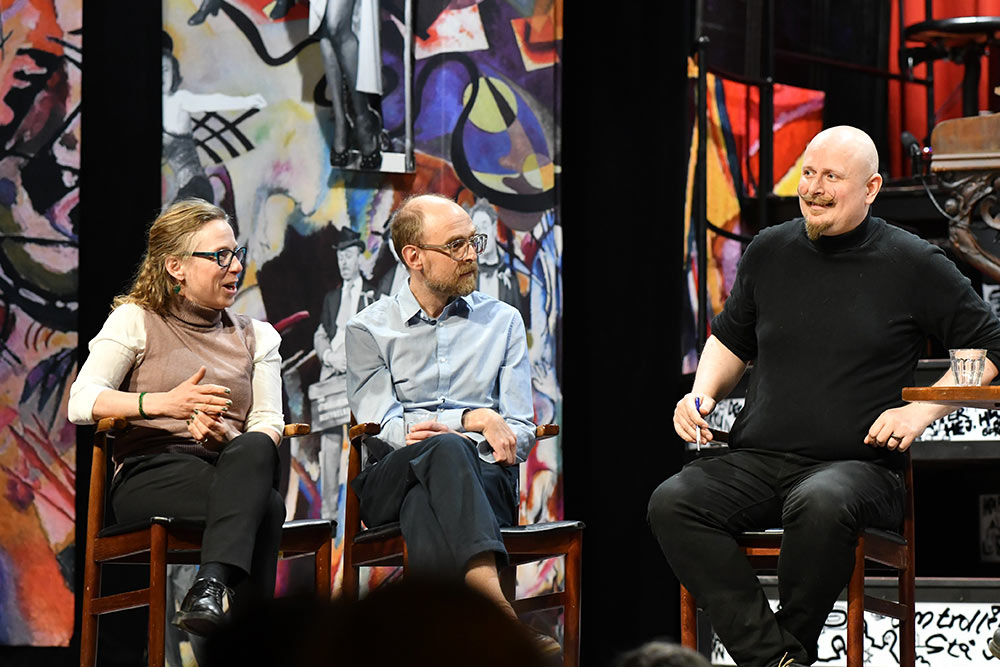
(224, 258)
(458, 248)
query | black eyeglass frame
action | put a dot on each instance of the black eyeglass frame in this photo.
(459, 246)
(240, 253)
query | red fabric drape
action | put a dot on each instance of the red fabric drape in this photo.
(911, 115)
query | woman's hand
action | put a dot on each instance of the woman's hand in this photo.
(188, 399)
(211, 431)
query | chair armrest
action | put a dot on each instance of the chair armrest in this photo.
(358, 431)
(112, 424)
(295, 430)
(543, 431)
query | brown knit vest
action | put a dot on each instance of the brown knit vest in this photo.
(177, 344)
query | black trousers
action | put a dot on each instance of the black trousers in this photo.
(235, 496)
(821, 505)
(450, 504)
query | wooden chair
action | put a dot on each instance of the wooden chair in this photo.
(879, 547)
(159, 541)
(384, 545)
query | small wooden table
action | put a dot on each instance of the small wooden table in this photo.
(987, 397)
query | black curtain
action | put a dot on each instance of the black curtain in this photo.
(625, 153)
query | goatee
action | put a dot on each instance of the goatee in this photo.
(814, 230)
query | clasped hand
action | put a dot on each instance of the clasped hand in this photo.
(493, 427)
(202, 406)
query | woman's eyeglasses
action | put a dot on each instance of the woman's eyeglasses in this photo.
(224, 258)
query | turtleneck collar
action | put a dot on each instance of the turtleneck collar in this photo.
(846, 241)
(191, 313)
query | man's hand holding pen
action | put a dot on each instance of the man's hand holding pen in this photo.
(689, 418)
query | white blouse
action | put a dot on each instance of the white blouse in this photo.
(121, 344)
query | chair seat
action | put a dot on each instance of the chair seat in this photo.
(296, 525)
(546, 527)
(378, 533)
(142, 524)
(391, 530)
(889, 535)
(763, 538)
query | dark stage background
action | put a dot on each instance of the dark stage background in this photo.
(624, 153)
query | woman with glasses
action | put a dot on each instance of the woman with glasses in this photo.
(201, 387)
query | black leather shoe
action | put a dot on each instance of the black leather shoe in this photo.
(204, 608)
(995, 643)
(207, 7)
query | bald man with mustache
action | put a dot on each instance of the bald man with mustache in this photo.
(833, 310)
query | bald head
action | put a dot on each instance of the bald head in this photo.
(839, 182)
(855, 145)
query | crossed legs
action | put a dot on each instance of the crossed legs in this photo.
(450, 505)
(235, 497)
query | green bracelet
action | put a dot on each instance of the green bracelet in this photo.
(141, 413)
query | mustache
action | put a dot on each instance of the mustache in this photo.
(822, 200)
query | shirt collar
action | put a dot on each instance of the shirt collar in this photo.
(410, 310)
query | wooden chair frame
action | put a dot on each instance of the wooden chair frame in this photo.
(884, 548)
(384, 545)
(162, 541)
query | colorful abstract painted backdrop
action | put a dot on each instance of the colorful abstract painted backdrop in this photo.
(40, 68)
(250, 118)
(732, 175)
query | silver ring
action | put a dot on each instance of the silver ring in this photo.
(896, 437)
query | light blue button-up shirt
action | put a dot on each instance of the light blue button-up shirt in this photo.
(404, 367)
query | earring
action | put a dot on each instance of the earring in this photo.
(177, 288)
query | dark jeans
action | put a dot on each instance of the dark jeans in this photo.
(822, 506)
(450, 504)
(235, 496)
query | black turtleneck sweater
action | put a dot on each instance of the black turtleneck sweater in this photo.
(834, 328)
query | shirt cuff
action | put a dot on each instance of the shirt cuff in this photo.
(452, 419)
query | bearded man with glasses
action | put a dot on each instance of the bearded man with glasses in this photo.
(444, 370)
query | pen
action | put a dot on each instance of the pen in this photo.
(697, 437)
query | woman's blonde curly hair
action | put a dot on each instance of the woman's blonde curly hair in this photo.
(169, 236)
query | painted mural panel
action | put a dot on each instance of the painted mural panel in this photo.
(40, 68)
(256, 135)
(732, 175)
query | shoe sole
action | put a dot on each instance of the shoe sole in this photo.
(995, 649)
(196, 623)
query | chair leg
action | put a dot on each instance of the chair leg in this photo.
(573, 593)
(323, 565)
(157, 593)
(856, 608)
(907, 626)
(349, 583)
(689, 620)
(89, 621)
